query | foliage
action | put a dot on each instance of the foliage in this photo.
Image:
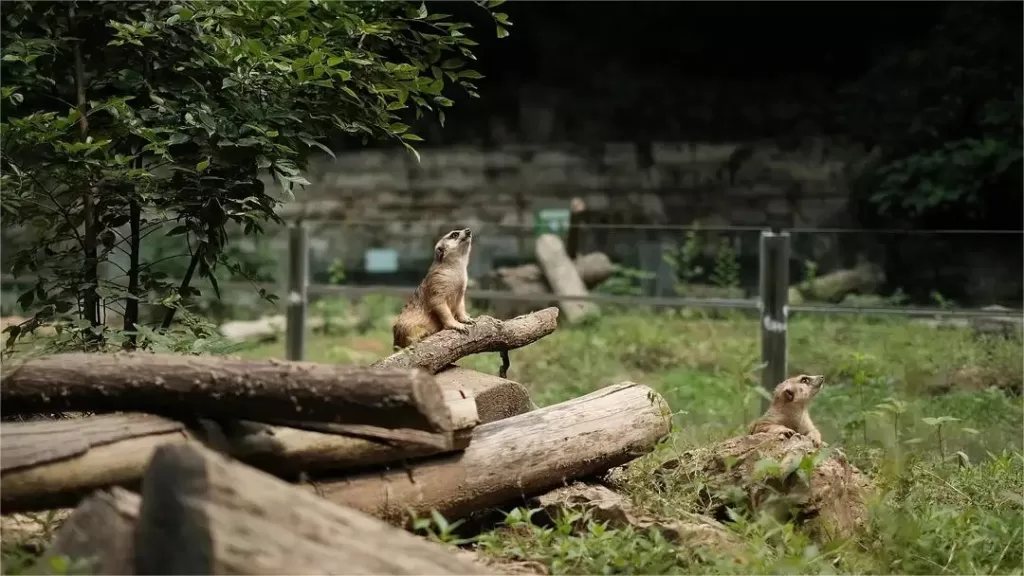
(726, 273)
(120, 118)
(947, 117)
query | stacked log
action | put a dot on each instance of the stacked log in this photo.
(248, 467)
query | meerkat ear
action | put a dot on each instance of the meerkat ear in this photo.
(439, 253)
(789, 395)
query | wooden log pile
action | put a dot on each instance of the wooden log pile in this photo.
(205, 465)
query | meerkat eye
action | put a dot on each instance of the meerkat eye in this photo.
(789, 395)
(453, 235)
(805, 380)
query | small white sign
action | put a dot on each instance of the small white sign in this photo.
(553, 220)
(380, 260)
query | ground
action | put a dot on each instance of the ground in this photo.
(951, 489)
(953, 506)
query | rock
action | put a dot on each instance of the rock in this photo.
(1008, 326)
(830, 500)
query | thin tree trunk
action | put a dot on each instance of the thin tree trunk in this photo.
(90, 272)
(185, 281)
(131, 305)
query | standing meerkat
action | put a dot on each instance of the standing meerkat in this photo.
(439, 302)
(789, 411)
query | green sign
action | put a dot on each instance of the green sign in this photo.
(551, 221)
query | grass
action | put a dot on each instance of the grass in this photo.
(933, 416)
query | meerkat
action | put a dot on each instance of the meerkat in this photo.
(439, 302)
(788, 412)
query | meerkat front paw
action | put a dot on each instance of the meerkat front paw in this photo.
(459, 327)
(467, 320)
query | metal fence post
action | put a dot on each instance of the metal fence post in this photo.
(774, 308)
(298, 281)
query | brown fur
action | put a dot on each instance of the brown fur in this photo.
(439, 302)
(789, 411)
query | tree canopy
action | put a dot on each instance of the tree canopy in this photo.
(122, 117)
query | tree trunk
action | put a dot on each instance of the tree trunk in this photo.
(563, 277)
(487, 335)
(97, 537)
(496, 398)
(222, 387)
(185, 282)
(53, 463)
(131, 303)
(522, 455)
(204, 514)
(90, 270)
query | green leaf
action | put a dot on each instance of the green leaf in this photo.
(411, 136)
(203, 165)
(396, 105)
(398, 127)
(501, 32)
(494, 3)
(471, 74)
(422, 12)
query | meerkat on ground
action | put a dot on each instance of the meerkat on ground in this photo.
(439, 302)
(788, 412)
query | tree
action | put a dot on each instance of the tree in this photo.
(121, 117)
(947, 118)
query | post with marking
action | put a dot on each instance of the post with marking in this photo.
(774, 308)
(298, 279)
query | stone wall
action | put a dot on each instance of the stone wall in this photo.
(386, 199)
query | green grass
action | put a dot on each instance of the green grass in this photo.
(949, 507)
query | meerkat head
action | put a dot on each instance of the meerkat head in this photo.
(798, 390)
(454, 244)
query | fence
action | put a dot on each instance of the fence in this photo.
(771, 303)
(775, 256)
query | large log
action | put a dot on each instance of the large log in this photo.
(202, 513)
(563, 277)
(593, 268)
(97, 537)
(518, 456)
(487, 335)
(52, 463)
(223, 387)
(496, 398)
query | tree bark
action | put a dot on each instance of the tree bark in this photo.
(53, 463)
(487, 335)
(522, 455)
(97, 537)
(222, 387)
(202, 513)
(495, 398)
(563, 277)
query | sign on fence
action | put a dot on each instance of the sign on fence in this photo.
(551, 221)
(380, 260)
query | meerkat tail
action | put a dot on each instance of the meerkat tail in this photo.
(505, 364)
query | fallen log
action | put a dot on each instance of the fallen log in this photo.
(495, 398)
(522, 455)
(211, 386)
(563, 277)
(486, 335)
(48, 464)
(52, 463)
(202, 513)
(593, 268)
(97, 537)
